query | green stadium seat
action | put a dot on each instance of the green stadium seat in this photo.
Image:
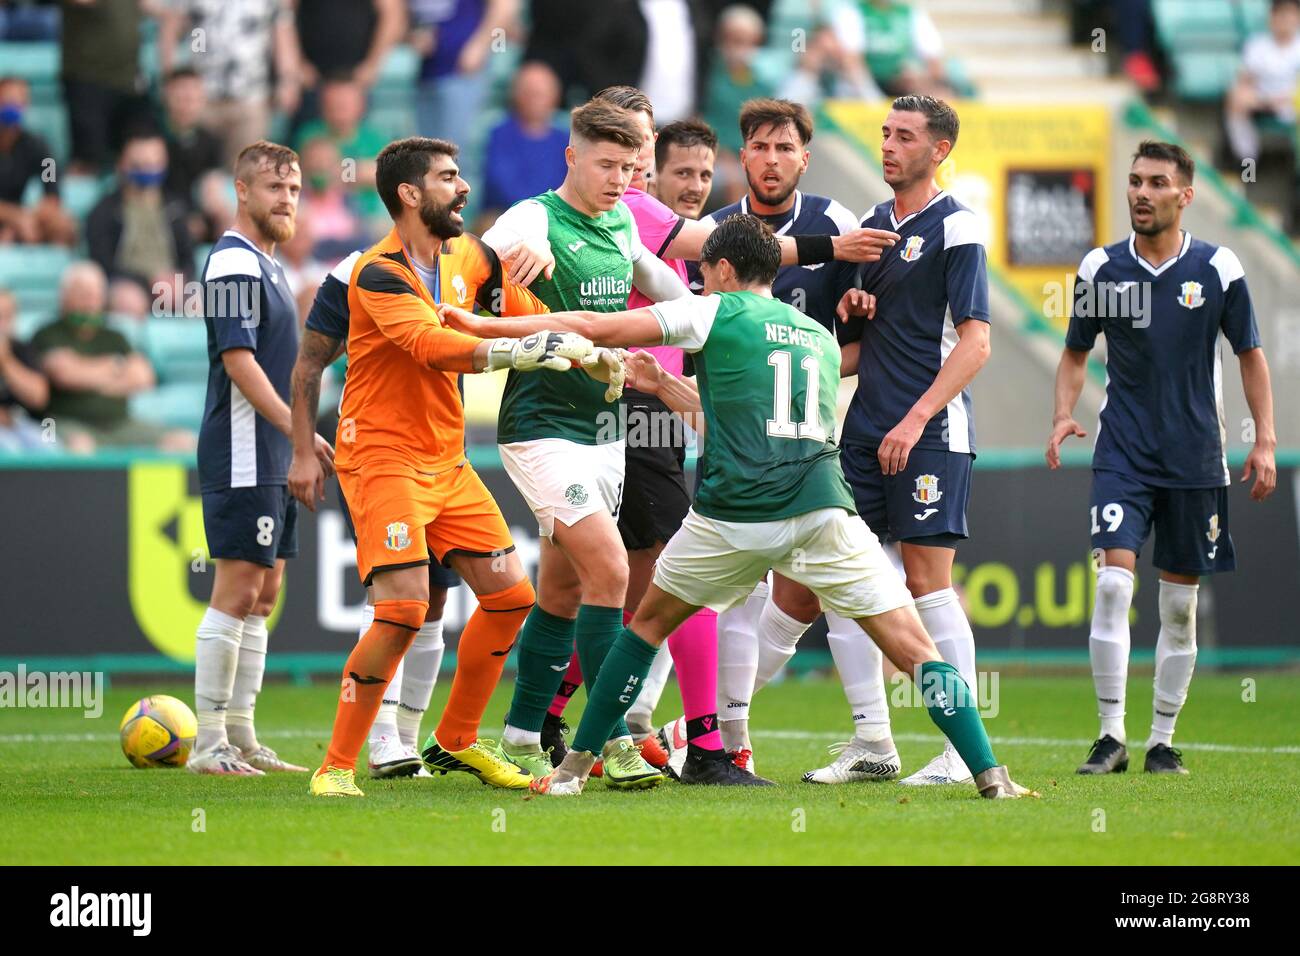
(51, 123)
(1252, 16)
(1182, 25)
(177, 405)
(1204, 75)
(178, 349)
(32, 273)
(37, 63)
(77, 193)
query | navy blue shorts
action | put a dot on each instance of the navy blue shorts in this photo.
(257, 524)
(439, 576)
(1191, 524)
(924, 504)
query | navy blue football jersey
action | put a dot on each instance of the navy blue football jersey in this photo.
(1162, 419)
(247, 305)
(809, 288)
(931, 281)
(329, 310)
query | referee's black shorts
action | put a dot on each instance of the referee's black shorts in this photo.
(655, 499)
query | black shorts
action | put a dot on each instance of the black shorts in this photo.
(258, 524)
(924, 504)
(1191, 524)
(655, 499)
(439, 576)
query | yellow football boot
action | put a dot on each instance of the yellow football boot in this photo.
(333, 782)
(483, 758)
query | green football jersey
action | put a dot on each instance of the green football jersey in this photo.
(768, 377)
(593, 272)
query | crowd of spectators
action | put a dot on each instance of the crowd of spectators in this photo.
(157, 96)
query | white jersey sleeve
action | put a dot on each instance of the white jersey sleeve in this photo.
(522, 221)
(686, 322)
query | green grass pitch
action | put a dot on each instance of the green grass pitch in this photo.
(68, 796)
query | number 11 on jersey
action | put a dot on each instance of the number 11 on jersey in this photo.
(780, 424)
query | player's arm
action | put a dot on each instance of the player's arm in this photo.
(857, 245)
(312, 454)
(849, 355)
(1071, 371)
(681, 395)
(1259, 396)
(520, 238)
(654, 278)
(1239, 328)
(246, 375)
(635, 327)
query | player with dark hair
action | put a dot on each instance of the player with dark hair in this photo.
(1163, 300)
(772, 495)
(401, 461)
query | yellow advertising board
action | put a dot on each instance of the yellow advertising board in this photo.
(1036, 175)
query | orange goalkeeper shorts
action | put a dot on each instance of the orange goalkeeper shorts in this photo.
(404, 517)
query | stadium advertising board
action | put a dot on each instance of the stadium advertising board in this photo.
(136, 577)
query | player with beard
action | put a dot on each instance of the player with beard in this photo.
(402, 466)
(243, 459)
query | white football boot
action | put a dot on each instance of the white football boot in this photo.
(265, 759)
(946, 768)
(389, 757)
(857, 760)
(672, 737)
(222, 760)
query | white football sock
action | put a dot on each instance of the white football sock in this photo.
(778, 636)
(385, 724)
(860, 665)
(738, 655)
(418, 675)
(949, 628)
(735, 735)
(216, 657)
(521, 738)
(640, 717)
(248, 684)
(1108, 647)
(1175, 658)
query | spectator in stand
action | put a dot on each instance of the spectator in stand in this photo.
(216, 201)
(192, 149)
(102, 87)
(25, 157)
(902, 46)
(1266, 85)
(336, 226)
(525, 151)
(23, 22)
(302, 269)
(828, 68)
(344, 38)
(741, 72)
(138, 232)
(24, 389)
(93, 370)
(454, 39)
(239, 44)
(342, 122)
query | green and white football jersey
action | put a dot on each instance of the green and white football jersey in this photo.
(593, 272)
(768, 377)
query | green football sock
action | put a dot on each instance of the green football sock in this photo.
(545, 647)
(952, 708)
(596, 631)
(620, 679)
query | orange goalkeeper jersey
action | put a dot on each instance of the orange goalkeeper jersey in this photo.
(400, 400)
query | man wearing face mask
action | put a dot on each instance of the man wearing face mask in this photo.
(23, 157)
(138, 232)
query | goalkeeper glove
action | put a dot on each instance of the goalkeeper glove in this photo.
(556, 351)
(612, 360)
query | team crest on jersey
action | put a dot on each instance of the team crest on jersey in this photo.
(462, 291)
(575, 495)
(912, 251)
(1190, 296)
(397, 536)
(1213, 534)
(927, 490)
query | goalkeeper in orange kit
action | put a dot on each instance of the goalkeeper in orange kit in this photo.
(401, 461)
